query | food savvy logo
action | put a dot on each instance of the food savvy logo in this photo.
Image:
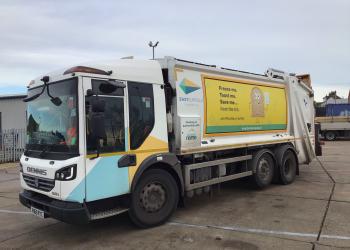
(188, 86)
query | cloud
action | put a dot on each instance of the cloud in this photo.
(301, 36)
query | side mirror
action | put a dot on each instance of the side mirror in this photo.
(110, 86)
(117, 84)
(56, 101)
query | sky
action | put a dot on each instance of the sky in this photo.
(299, 36)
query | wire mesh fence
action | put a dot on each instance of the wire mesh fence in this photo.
(12, 144)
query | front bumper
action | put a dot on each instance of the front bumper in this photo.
(69, 212)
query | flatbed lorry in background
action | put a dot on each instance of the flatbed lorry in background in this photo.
(141, 135)
(334, 121)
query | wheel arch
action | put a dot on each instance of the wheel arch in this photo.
(165, 161)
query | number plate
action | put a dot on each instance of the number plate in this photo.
(37, 212)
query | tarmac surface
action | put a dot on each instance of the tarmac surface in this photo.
(311, 213)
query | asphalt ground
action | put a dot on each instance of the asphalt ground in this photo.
(311, 213)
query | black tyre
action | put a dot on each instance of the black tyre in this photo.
(288, 168)
(154, 199)
(263, 166)
(330, 135)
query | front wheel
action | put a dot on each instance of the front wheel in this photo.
(154, 199)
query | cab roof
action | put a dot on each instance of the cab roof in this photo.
(148, 71)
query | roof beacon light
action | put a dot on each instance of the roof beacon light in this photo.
(84, 69)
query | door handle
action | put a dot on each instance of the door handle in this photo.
(127, 161)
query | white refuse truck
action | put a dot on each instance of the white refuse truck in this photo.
(141, 135)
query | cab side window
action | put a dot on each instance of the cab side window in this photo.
(141, 112)
(114, 140)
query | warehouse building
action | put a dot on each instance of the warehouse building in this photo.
(12, 127)
(12, 112)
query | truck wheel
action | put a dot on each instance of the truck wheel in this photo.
(330, 136)
(288, 169)
(154, 199)
(263, 168)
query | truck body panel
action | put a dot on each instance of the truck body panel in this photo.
(214, 109)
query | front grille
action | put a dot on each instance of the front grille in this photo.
(39, 183)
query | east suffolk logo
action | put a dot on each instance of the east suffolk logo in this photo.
(188, 86)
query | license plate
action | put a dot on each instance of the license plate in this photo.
(37, 212)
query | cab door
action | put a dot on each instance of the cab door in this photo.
(104, 178)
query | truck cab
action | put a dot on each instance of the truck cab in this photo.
(88, 130)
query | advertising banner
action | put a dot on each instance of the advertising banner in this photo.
(233, 106)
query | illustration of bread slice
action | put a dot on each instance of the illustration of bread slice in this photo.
(258, 102)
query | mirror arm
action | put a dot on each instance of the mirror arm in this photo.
(48, 91)
(28, 99)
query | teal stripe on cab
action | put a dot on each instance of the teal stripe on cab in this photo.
(78, 193)
(106, 179)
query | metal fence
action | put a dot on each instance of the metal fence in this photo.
(12, 144)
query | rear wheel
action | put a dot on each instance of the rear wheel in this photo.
(263, 169)
(330, 135)
(154, 199)
(288, 169)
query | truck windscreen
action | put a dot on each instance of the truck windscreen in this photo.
(50, 127)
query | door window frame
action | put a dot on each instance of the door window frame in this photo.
(87, 86)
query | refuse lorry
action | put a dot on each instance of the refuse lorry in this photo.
(334, 120)
(144, 135)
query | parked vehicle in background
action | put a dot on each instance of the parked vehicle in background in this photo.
(334, 120)
(140, 135)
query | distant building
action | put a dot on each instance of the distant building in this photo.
(12, 112)
(333, 98)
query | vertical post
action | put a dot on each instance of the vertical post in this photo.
(1, 147)
(13, 146)
(153, 47)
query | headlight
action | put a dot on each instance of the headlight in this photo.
(67, 173)
(20, 168)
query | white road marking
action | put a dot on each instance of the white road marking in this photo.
(261, 231)
(335, 237)
(14, 212)
(247, 230)
(231, 228)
